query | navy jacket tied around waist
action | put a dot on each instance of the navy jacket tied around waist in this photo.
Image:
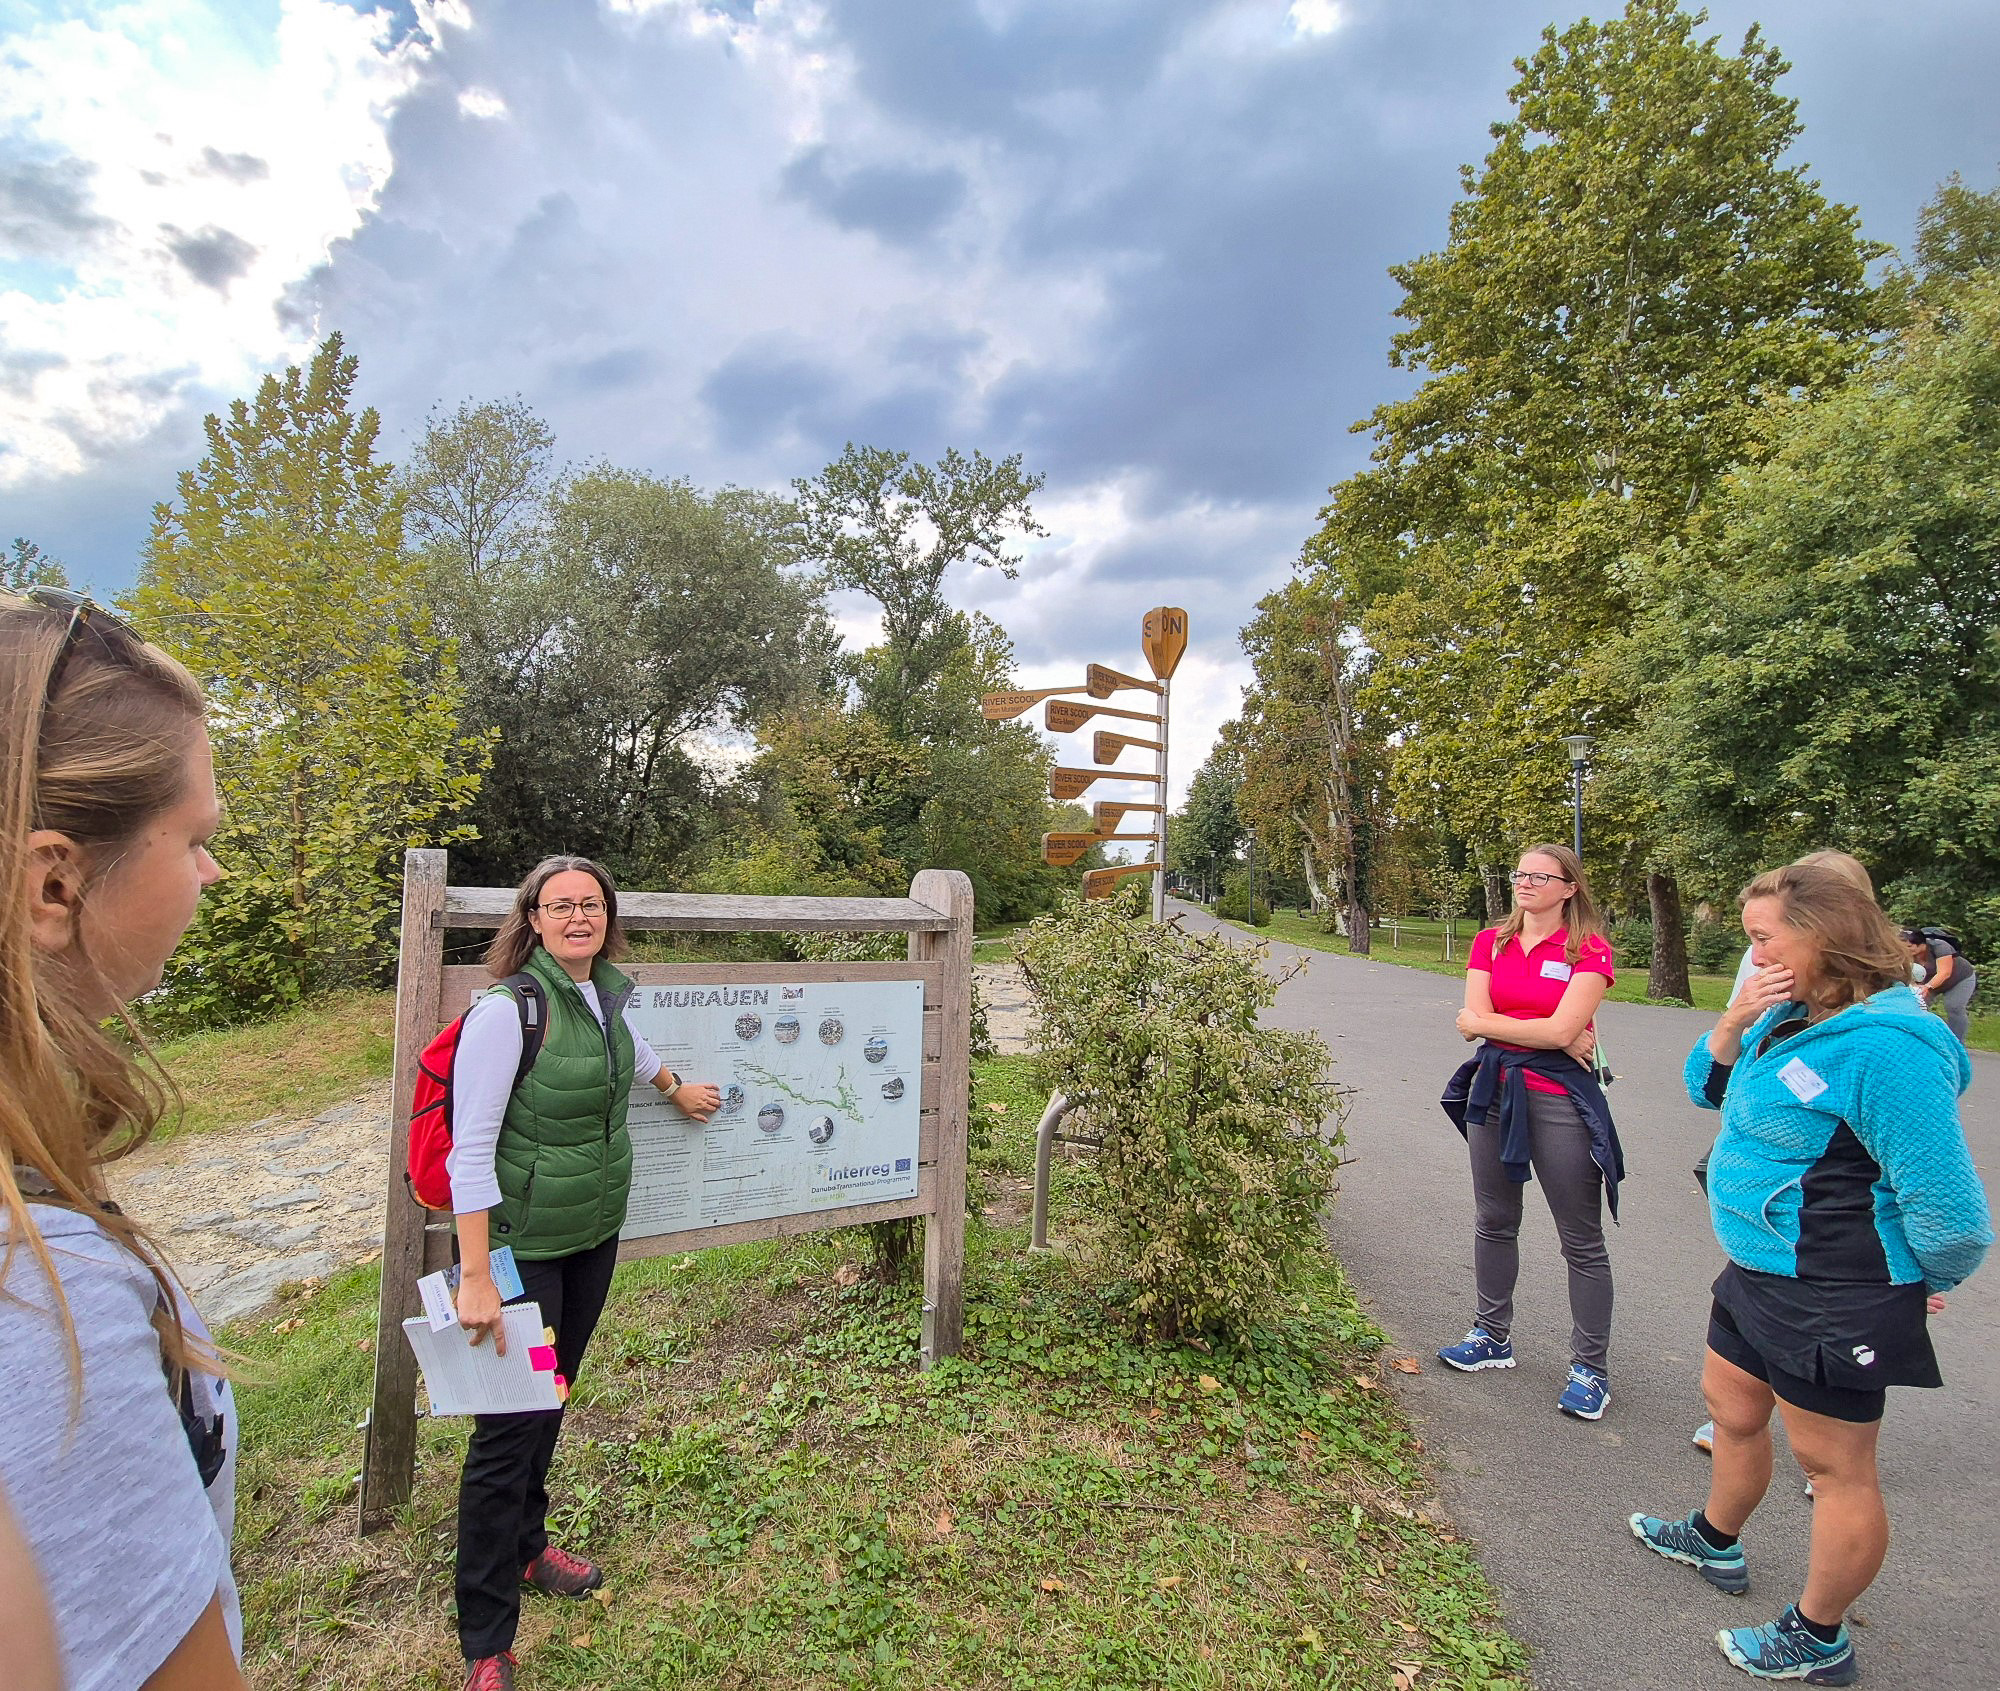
(1499, 1073)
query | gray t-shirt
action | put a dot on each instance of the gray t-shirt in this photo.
(131, 1549)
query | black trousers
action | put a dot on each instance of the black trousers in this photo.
(503, 1498)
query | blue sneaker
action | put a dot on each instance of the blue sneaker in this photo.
(1680, 1541)
(1478, 1349)
(1586, 1394)
(1784, 1649)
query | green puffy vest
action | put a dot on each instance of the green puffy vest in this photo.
(564, 1159)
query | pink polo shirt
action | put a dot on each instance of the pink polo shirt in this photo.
(1529, 985)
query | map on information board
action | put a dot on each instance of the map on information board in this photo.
(822, 1088)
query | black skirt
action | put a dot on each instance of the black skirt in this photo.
(1849, 1334)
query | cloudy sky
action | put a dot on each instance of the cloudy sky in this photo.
(1141, 242)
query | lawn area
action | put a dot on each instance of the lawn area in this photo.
(1422, 947)
(298, 1063)
(784, 1500)
(995, 944)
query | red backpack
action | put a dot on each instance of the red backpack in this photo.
(430, 1112)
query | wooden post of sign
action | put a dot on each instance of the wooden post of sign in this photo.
(1164, 636)
(950, 894)
(390, 1447)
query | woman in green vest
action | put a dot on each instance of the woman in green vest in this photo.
(544, 1166)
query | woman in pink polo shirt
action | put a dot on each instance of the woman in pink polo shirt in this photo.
(1529, 1105)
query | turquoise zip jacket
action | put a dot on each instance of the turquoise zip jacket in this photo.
(1841, 1155)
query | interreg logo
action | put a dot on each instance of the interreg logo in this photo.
(902, 1165)
(855, 1171)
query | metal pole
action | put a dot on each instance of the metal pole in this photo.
(1576, 802)
(1045, 1137)
(1160, 839)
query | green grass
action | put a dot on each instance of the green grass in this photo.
(783, 1499)
(996, 943)
(297, 1064)
(1423, 948)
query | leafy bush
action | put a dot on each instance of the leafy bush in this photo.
(1713, 947)
(1217, 1157)
(1234, 905)
(1632, 943)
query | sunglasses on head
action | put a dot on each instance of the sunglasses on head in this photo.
(84, 616)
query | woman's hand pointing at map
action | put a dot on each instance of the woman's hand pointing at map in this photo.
(695, 1098)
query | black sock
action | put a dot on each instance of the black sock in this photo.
(1713, 1536)
(1825, 1634)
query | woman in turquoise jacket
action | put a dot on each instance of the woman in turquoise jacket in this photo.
(1842, 1189)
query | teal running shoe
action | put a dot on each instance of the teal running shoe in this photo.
(1784, 1649)
(1680, 1541)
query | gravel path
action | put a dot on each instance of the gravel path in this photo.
(242, 1211)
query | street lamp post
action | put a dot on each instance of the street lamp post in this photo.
(1578, 746)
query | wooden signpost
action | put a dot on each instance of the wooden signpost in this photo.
(1066, 784)
(936, 917)
(1105, 746)
(1004, 707)
(1066, 716)
(1106, 814)
(1163, 636)
(1101, 683)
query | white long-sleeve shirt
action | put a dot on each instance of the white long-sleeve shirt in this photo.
(489, 1051)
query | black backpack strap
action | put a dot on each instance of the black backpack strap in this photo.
(533, 1004)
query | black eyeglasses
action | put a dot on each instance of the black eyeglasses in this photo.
(83, 614)
(1536, 878)
(562, 909)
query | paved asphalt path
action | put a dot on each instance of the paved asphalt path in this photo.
(1544, 1497)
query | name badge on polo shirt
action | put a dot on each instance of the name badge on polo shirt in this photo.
(1802, 1083)
(1555, 970)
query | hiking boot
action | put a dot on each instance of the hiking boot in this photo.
(1478, 1349)
(562, 1575)
(1704, 1438)
(1784, 1649)
(490, 1673)
(1681, 1541)
(1586, 1394)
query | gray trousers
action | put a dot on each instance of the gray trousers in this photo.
(1956, 999)
(1559, 1152)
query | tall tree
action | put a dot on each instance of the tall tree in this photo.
(614, 631)
(879, 523)
(1830, 643)
(27, 565)
(1631, 274)
(279, 576)
(1313, 762)
(478, 485)
(1205, 834)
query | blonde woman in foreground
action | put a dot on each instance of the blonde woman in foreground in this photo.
(117, 1432)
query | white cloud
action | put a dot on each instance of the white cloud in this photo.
(481, 102)
(1316, 17)
(223, 165)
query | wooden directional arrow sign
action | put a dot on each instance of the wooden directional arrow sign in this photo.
(1107, 813)
(1102, 682)
(1061, 850)
(1099, 883)
(1066, 716)
(1067, 784)
(1004, 707)
(1105, 746)
(1164, 636)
